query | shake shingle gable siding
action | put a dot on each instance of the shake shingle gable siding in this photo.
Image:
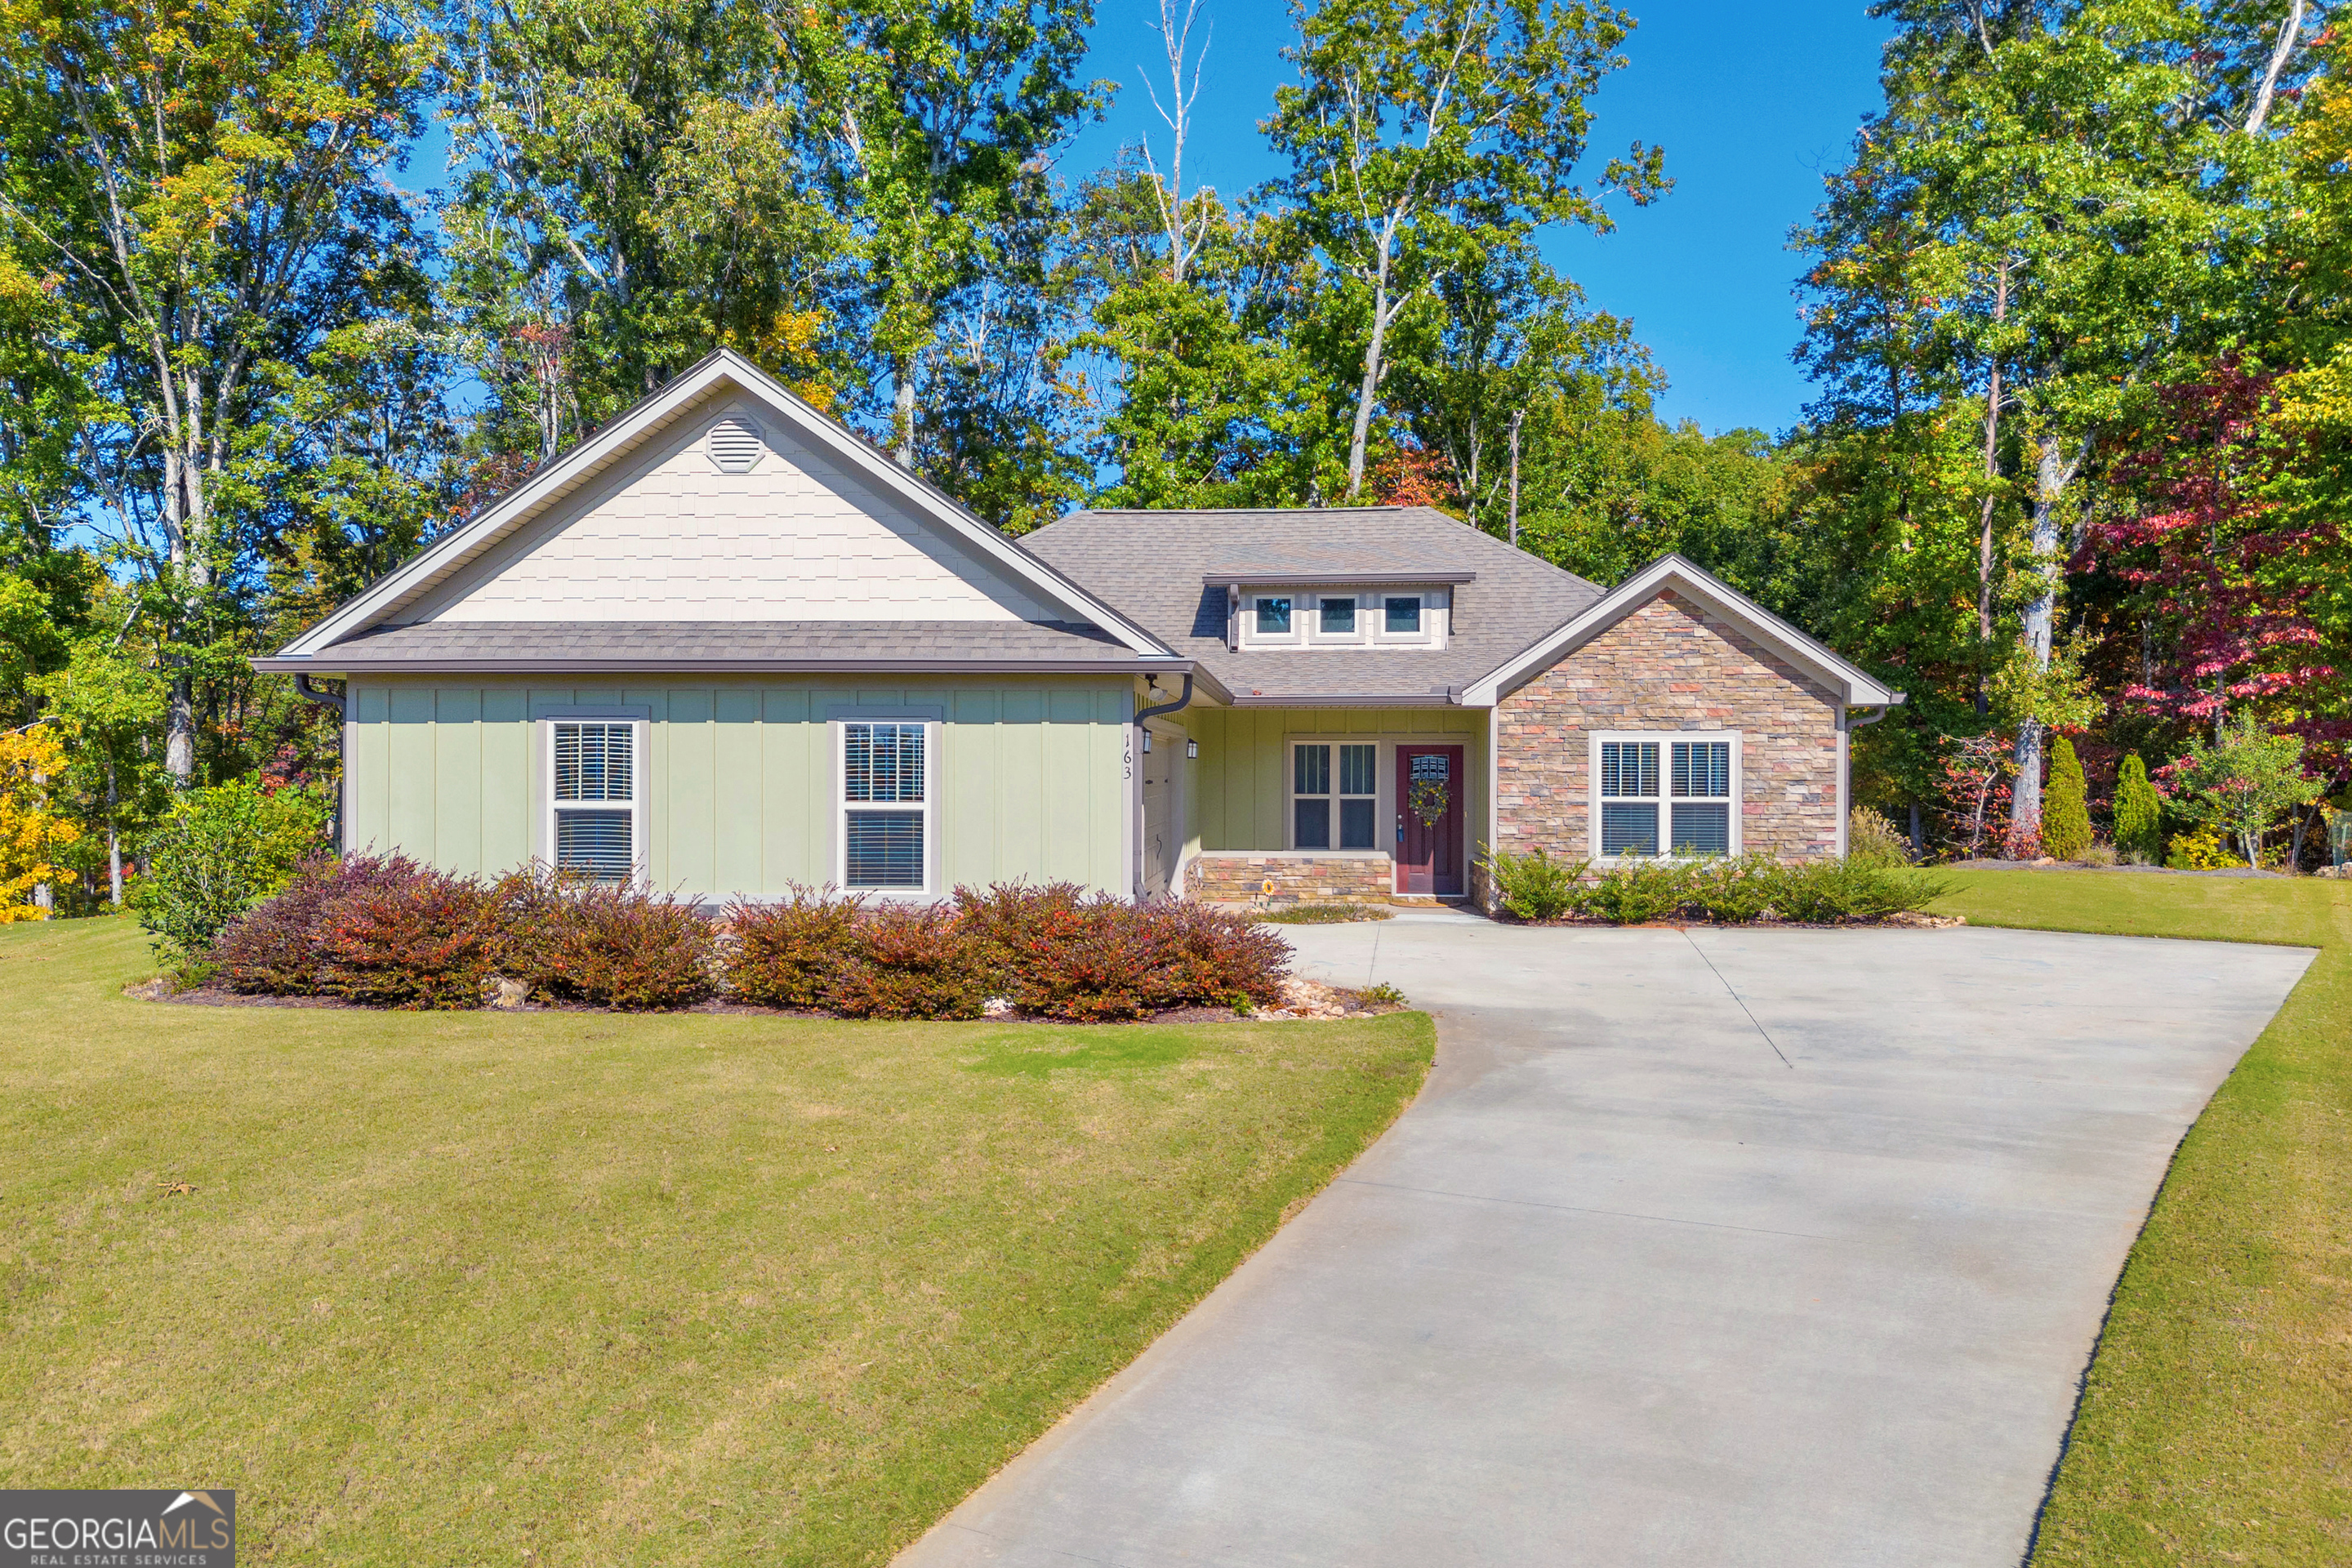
(1165, 569)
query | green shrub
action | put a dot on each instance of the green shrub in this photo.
(1825, 892)
(2065, 804)
(1641, 892)
(1534, 886)
(1872, 839)
(1735, 891)
(2139, 814)
(220, 852)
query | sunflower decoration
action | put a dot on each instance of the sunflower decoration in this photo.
(1428, 800)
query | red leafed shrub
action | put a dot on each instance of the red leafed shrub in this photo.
(278, 947)
(1218, 956)
(1064, 953)
(786, 954)
(912, 963)
(427, 940)
(626, 947)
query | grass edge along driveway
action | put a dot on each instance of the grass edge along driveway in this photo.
(590, 1288)
(2216, 1423)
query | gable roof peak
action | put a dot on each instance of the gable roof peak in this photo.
(721, 370)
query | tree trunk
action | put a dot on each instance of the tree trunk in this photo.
(1368, 391)
(1992, 476)
(113, 838)
(1517, 416)
(902, 410)
(2052, 474)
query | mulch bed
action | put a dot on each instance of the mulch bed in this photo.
(1904, 921)
(1341, 1004)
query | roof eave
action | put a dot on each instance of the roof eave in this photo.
(327, 666)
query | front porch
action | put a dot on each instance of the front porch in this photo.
(1285, 806)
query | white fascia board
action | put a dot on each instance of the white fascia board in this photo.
(722, 368)
(1860, 690)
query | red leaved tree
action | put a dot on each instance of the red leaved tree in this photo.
(2223, 569)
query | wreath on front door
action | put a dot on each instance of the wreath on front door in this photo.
(1429, 800)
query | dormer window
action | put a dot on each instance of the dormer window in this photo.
(1342, 615)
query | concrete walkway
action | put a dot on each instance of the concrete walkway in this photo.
(1753, 1247)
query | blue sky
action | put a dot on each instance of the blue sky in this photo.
(1752, 104)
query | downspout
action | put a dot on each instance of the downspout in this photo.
(1871, 715)
(1184, 699)
(329, 700)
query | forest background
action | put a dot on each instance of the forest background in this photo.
(2074, 307)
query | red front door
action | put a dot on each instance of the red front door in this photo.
(1428, 808)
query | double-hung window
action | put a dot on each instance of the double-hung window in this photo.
(594, 808)
(886, 805)
(1666, 796)
(1323, 797)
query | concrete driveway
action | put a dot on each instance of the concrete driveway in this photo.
(1750, 1247)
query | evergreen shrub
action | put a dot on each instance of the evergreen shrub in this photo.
(2139, 813)
(2065, 804)
(1534, 886)
(220, 852)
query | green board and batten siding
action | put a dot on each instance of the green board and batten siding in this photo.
(1031, 780)
(1239, 789)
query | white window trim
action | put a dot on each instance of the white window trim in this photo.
(1371, 618)
(1666, 798)
(640, 766)
(843, 805)
(1383, 764)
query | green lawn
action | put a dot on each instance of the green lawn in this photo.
(586, 1288)
(2217, 1424)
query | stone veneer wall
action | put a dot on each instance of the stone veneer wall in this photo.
(1299, 877)
(1668, 666)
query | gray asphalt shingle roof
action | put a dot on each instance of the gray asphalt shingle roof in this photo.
(1152, 566)
(618, 645)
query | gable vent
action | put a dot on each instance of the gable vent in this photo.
(735, 446)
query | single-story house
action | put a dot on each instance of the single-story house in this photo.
(724, 646)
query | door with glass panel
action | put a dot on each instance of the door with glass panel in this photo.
(1429, 787)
